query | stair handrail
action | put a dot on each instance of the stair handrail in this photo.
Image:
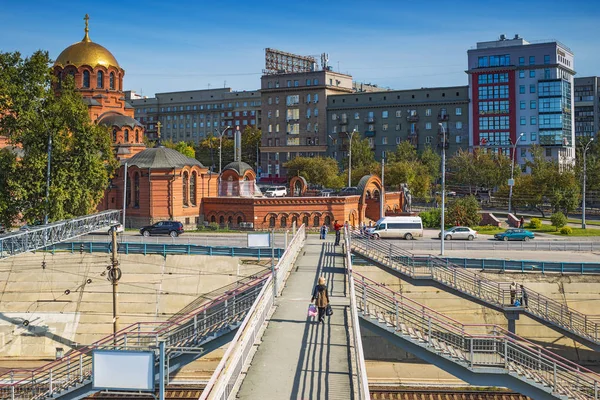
(540, 305)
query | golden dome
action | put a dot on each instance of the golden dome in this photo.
(86, 52)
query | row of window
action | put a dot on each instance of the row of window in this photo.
(494, 123)
(208, 116)
(493, 61)
(484, 79)
(201, 107)
(126, 136)
(294, 113)
(385, 114)
(292, 83)
(99, 80)
(295, 99)
(215, 124)
(294, 129)
(493, 92)
(494, 107)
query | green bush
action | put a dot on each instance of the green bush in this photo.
(431, 218)
(535, 223)
(213, 226)
(566, 230)
(464, 212)
(558, 220)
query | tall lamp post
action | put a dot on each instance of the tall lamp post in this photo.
(350, 136)
(585, 149)
(511, 182)
(220, 146)
(443, 186)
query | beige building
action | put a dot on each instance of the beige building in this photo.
(294, 116)
(194, 114)
(390, 117)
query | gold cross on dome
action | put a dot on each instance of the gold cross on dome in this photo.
(86, 38)
(158, 125)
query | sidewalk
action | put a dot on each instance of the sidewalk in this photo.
(299, 358)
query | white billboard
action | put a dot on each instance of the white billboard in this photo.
(259, 240)
(122, 370)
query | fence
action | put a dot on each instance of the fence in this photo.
(526, 265)
(534, 245)
(359, 357)
(227, 374)
(164, 249)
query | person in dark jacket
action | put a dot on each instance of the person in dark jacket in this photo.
(337, 227)
(321, 298)
(524, 297)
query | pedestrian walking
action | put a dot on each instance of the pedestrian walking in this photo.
(513, 293)
(524, 297)
(324, 230)
(337, 227)
(522, 222)
(320, 297)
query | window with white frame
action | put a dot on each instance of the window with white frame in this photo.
(428, 125)
(458, 111)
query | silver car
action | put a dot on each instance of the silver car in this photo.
(459, 232)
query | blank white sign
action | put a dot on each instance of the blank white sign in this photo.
(123, 370)
(259, 240)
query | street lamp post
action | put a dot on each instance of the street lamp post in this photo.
(220, 158)
(511, 182)
(443, 187)
(350, 136)
(585, 149)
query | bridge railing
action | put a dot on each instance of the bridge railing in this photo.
(46, 235)
(362, 390)
(476, 285)
(222, 384)
(187, 331)
(474, 345)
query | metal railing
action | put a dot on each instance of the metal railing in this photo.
(186, 331)
(534, 245)
(43, 236)
(482, 348)
(527, 265)
(362, 387)
(222, 384)
(163, 249)
(475, 285)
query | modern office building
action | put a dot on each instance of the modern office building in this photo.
(522, 92)
(192, 115)
(390, 117)
(587, 107)
(294, 96)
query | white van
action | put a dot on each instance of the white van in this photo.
(397, 227)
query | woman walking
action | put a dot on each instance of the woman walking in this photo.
(321, 298)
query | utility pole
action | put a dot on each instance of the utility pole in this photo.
(382, 195)
(585, 149)
(114, 274)
(124, 193)
(273, 263)
(443, 186)
(48, 178)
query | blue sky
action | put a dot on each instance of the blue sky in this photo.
(403, 44)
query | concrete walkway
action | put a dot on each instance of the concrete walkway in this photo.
(298, 357)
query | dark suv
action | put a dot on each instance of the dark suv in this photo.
(172, 228)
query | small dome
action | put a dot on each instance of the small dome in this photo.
(86, 52)
(238, 166)
(162, 158)
(120, 120)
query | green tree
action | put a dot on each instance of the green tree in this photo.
(558, 220)
(464, 211)
(316, 170)
(405, 151)
(82, 157)
(432, 162)
(187, 149)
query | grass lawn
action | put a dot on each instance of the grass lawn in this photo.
(576, 231)
(488, 229)
(577, 221)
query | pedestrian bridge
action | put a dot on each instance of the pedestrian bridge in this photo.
(276, 351)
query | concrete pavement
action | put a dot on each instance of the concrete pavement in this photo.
(298, 357)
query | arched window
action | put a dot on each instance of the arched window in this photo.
(112, 81)
(128, 194)
(294, 221)
(229, 221)
(316, 221)
(86, 79)
(272, 222)
(136, 185)
(137, 136)
(283, 222)
(193, 189)
(114, 135)
(240, 220)
(221, 220)
(126, 135)
(305, 220)
(100, 80)
(213, 219)
(327, 220)
(186, 192)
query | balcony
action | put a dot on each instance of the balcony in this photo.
(370, 133)
(343, 135)
(369, 120)
(413, 118)
(443, 117)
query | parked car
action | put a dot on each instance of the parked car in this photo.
(326, 192)
(515, 234)
(276, 191)
(459, 232)
(171, 228)
(348, 191)
(396, 228)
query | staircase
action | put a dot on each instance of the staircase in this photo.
(71, 376)
(473, 285)
(484, 351)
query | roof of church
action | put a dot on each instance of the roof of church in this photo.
(120, 120)
(238, 166)
(162, 158)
